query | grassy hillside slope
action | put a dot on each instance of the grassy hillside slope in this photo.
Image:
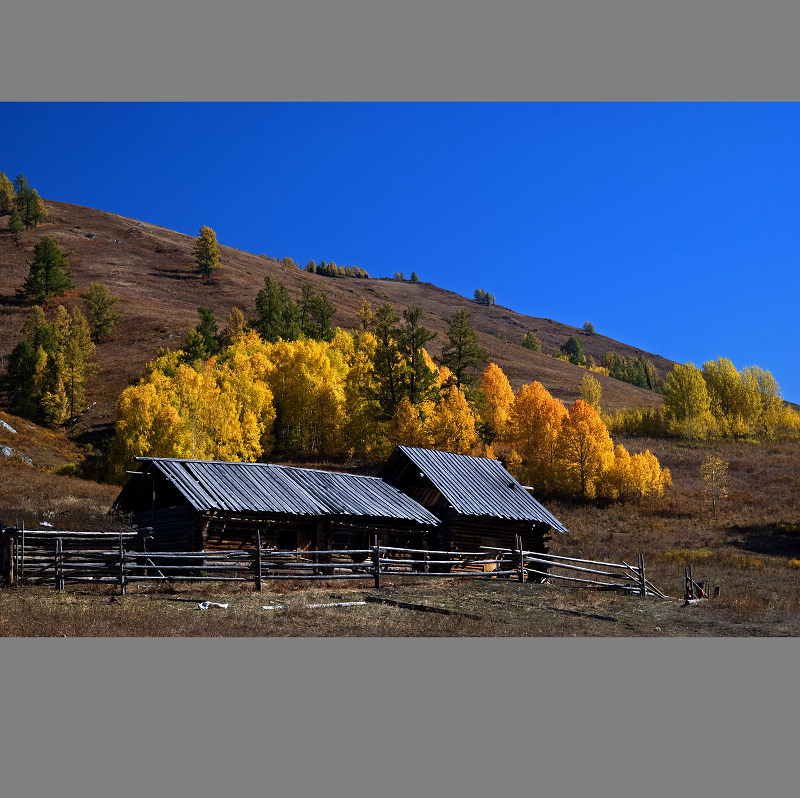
(152, 270)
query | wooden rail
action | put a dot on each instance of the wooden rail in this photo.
(62, 558)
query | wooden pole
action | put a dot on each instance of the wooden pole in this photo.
(8, 544)
(59, 564)
(521, 559)
(642, 582)
(121, 568)
(376, 561)
(258, 560)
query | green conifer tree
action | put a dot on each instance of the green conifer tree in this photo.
(463, 354)
(47, 274)
(206, 252)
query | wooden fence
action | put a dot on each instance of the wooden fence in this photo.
(59, 558)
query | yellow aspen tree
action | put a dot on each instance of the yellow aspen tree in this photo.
(452, 422)
(497, 403)
(615, 481)
(537, 425)
(241, 374)
(361, 430)
(185, 390)
(633, 477)
(648, 479)
(146, 425)
(766, 400)
(309, 397)
(734, 407)
(591, 391)
(407, 427)
(687, 406)
(585, 448)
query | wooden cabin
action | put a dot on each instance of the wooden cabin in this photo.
(193, 505)
(476, 500)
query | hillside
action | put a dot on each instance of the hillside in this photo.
(152, 270)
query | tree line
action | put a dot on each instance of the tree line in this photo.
(269, 387)
(717, 401)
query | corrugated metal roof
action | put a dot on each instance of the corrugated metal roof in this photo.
(477, 486)
(268, 488)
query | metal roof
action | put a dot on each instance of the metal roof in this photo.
(269, 488)
(476, 486)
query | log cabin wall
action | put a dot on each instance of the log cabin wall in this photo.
(193, 505)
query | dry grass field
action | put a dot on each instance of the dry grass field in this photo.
(751, 550)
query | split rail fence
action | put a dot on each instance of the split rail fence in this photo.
(60, 558)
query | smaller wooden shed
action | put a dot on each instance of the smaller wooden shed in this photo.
(477, 500)
(192, 505)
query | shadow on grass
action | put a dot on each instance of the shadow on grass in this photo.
(780, 540)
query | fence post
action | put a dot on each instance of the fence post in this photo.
(376, 562)
(22, 555)
(642, 582)
(59, 564)
(10, 557)
(121, 567)
(258, 560)
(521, 559)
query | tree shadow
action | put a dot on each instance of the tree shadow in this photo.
(781, 540)
(173, 274)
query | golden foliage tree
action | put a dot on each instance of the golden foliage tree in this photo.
(734, 407)
(452, 422)
(222, 412)
(407, 426)
(496, 403)
(308, 384)
(361, 429)
(585, 448)
(591, 391)
(687, 405)
(538, 418)
(77, 349)
(633, 477)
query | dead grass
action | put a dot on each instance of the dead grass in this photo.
(30, 495)
(505, 609)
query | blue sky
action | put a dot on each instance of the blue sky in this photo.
(672, 227)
